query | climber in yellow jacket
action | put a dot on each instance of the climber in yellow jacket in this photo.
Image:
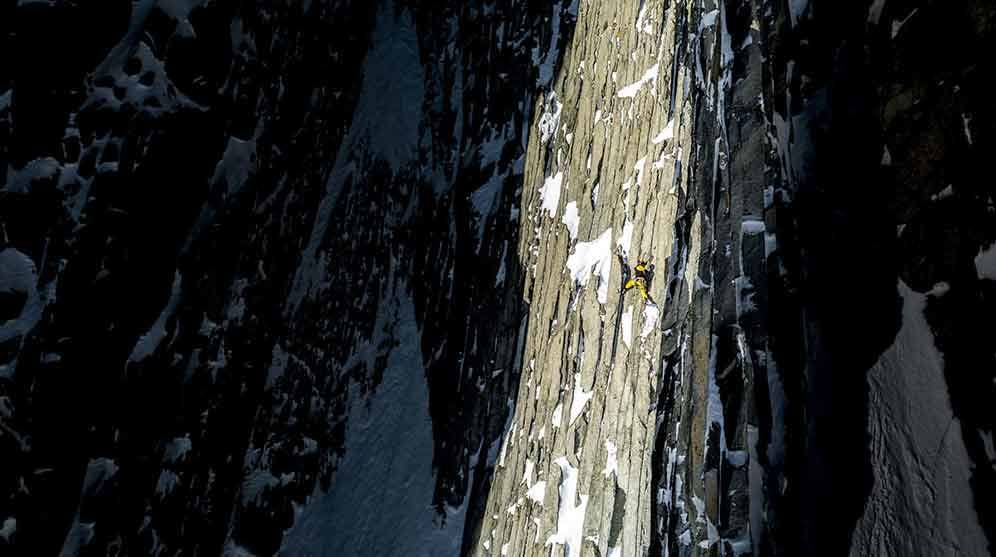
(642, 274)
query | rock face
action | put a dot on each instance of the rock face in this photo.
(340, 277)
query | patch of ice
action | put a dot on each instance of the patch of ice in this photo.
(593, 257)
(557, 416)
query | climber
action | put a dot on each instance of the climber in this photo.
(642, 275)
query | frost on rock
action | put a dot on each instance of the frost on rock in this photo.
(571, 219)
(570, 515)
(593, 257)
(550, 193)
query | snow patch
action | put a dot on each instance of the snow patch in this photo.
(385, 126)
(875, 11)
(570, 515)
(380, 501)
(550, 118)
(537, 493)
(947, 192)
(752, 226)
(9, 528)
(571, 219)
(593, 257)
(626, 238)
(897, 25)
(550, 193)
(627, 326)
(630, 91)
(650, 315)
(665, 134)
(236, 164)
(579, 400)
(797, 8)
(18, 275)
(965, 121)
(177, 449)
(985, 263)
(149, 342)
(920, 464)
(611, 464)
